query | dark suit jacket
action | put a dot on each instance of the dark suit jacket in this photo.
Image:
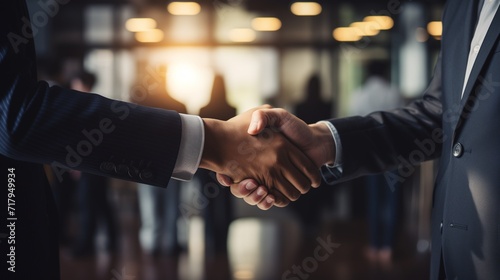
(64, 128)
(463, 132)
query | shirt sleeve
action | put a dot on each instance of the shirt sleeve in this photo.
(191, 147)
(333, 172)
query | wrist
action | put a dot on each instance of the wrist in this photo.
(323, 145)
(211, 158)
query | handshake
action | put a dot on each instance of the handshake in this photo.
(267, 156)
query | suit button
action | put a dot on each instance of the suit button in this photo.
(458, 150)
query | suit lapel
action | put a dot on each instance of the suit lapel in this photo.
(484, 52)
(463, 34)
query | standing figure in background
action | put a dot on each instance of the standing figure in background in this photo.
(93, 196)
(159, 207)
(218, 213)
(378, 94)
(312, 110)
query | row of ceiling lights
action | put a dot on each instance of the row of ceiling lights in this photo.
(146, 32)
(146, 28)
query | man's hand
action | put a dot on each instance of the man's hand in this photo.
(314, 140)
(268, 158)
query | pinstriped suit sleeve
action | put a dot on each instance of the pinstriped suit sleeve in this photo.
(66, 128)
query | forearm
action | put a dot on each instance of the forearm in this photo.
(90, 133)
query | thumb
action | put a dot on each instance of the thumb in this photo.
(262, 118)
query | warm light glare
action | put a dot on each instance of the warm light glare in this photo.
(244, 274)
(140, 24)
(184, 8)
(381, 22)
(366, 28)
(242, 35)
(306, 8)
(347, 34)
(150, 36)
(266, 24)
(435, 28)
(190, 83)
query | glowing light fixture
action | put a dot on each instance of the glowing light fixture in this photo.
(381, 22)
(306, 8)
(435, 28)
(242, 35)
(184, 8)
(366, 28)
(347, 34)
(266, 24)
(150, 36)
(140, 24)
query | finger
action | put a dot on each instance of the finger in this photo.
(286, 188)
(266, 203)
(304, 169)
(224, 180)
(299, 181)
(243, 188)
(256, 196)
(279, 199)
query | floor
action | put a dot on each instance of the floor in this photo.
(261, 246)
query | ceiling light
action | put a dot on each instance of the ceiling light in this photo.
(435, 28)
(150, 36)
(366, 28)
(382, 22)
(266, 24)
(306, 8)
(347, 34)
(140, 24)
(184, 8)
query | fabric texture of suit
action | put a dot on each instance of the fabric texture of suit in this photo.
(60, 127)
(462, 132)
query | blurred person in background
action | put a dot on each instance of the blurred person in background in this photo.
(312, 110)
(159, 208)
(378, 94)
(218, 213)
(93, 195)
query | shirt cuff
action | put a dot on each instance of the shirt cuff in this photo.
(333, 172)
(190, 149)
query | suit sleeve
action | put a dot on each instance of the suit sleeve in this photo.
(69, 129)
(383, 141)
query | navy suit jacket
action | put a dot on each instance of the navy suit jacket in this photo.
(65, 129)
(462, 132)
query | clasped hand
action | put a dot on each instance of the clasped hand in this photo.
(252, 154)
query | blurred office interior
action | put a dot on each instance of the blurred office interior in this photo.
(266, 52)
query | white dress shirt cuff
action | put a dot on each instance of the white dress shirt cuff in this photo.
(190, 149)
(333, 172)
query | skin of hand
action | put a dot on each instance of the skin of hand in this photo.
(315, 140)
(267, 157)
